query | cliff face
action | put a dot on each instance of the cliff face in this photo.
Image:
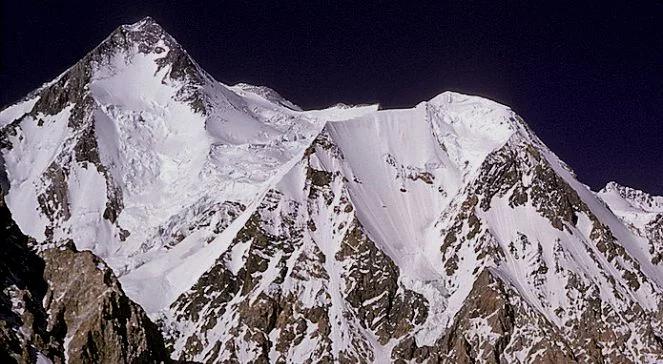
(67, 306)
(23, 334)
(102, 325)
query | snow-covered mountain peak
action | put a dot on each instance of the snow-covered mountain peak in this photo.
(135, 146)
(146, 34)
(255, 231)
(453, 97)
(145, 22)
(490, 123)
(479, 108)
(641, 212)
(146, 28)
(622, 197)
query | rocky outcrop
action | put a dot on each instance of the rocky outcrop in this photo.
(23, 319)
(494, 326)
(66, 305)
(97, 322)
(373, 289)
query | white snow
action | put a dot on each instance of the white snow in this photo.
(35, 148)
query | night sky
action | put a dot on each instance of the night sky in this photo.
(586, 76)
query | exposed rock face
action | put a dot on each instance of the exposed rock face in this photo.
(67, 305)
(373, 290)
(519, 175)
(102, 325)
(23, 333)
(253, 231)
(494, 326)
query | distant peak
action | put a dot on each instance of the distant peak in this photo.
(612, 186)
(622, 190)
(634, 196)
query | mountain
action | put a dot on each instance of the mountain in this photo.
(251, 230)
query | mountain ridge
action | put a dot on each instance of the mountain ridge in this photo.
(252, 230)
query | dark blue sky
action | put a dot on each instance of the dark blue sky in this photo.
(586, 76)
